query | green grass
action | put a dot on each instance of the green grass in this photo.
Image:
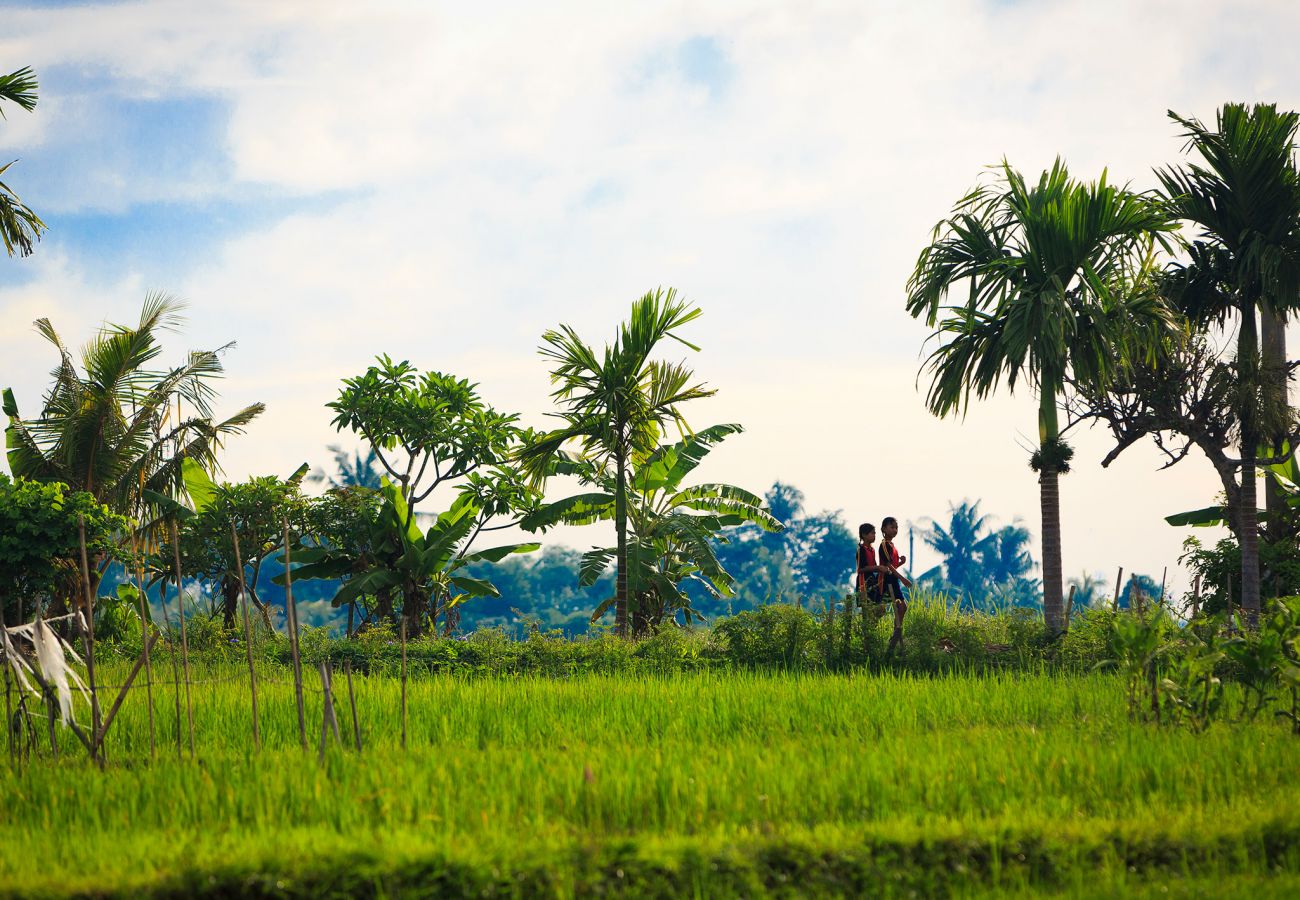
(713, 784)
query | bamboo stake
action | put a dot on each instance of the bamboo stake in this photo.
(9, 711)
(144, 639)
(185, 642)
(248, 636)
(88, 633)
(1119, 582)
(403, 682)
(121, 694)
(1069, 607)
(352, 701)
(1164, 573)
(291, 613)
(328, 722)
(1196, 597)
(1227, 586)
(176, 678)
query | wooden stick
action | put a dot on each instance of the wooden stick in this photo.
(352, 701)
(329, 701)
(328, 721)
(403, 682)
(1196, 597)
(1227, 586)
(121, 694)
(1069, 607)
(176, 678)
(185, 641)
(1119, 582)
(9, 711)
(1164, 573)
(291, 616)
(248, 636)
(88, 630)
(144, 639)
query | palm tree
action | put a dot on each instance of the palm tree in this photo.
(117, 431)
(957, 544)
(1245, 201)
(616, 404)
(1060, 278)
(354, 470)
(19, 226)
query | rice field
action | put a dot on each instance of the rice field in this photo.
(708, 784)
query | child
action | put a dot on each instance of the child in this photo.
(867, 580)
(891, 582)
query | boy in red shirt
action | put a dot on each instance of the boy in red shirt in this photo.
(867, 580)
(891, 582)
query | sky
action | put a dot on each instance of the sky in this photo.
(324, 182)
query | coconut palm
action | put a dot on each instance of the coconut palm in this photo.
(616, 404)
(19, 226)
(1244, 199)
(116, 429)
(1060, 277)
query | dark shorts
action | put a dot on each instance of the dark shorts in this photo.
(894, 590)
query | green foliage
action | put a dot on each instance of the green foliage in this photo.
(983, 566)
(19, 226)
(113, 431)
(616, 406)
(711, 784)
(39, 539)
(673, 528)
(1219, 570)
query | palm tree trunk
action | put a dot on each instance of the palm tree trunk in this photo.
(1272, 332)
(1050, 502)
(620, 525)
(1247, 371)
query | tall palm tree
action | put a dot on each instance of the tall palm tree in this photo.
(615, 405)
(117, 431)
(1244, 199)
(19, 226)
(1060, 278)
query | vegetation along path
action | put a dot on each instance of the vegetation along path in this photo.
(715, 784)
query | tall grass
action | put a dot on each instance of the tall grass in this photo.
(710, 782)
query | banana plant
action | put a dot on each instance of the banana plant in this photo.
(672, 528)
(398, 558)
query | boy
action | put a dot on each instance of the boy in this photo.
(891, 582)
(867, 580)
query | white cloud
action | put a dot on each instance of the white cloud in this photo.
(508, 167)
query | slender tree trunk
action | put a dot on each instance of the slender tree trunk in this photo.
(1272, 332)
(1050, 500)
(1248, 371)
(620, 525)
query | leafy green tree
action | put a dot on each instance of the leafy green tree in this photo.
(40, 544)
(1058, 285)
(672, 528)
(616, 405)
(425, 430)
(117, 431)
(1243, 198)
(395, 556)
(257, 509)
(19, 226)
(1089, 591)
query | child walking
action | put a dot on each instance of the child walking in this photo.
(891, 581)
(867, 580)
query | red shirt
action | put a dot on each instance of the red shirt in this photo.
(866, 560)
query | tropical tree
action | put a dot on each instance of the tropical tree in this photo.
(1059, 278)
(19, 226)
(616, 405)
(40, 540)
(254, 512)
(396, 557)
(980, 561)
(1243, 199)
(672, 529)
(425, 430)
(354, 469)
(1089, 591)
(116, 429)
